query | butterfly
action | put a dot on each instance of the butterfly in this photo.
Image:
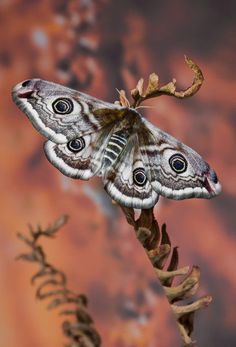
(88, 137)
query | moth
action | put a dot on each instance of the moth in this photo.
(88, 137)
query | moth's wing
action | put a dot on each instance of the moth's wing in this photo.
(38, 99)
(119, 180)
(84, 163)
(163, 156)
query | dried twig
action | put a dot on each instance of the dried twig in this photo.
(155, 240)
(153, 90)
(157, 245)
(53, 286)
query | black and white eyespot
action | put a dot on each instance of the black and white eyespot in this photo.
(178, 163)
(139, 177)
(76, 145)
(62, 106)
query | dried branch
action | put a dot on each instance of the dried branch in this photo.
(164, 259)
(53, 286)
(153, 90)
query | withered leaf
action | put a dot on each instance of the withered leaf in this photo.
(152, 84)
(123, 99)
(139, 86)
(169, 88)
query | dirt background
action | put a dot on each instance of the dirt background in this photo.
(96, 47)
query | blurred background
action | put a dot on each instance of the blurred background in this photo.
(97, 46)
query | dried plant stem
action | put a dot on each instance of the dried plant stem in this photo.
(156, 241)
(157, 245)
(53, 286)
(164, 259)
(153, 89)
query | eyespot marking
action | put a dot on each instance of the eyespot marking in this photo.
(62, 106)
(139, 177)
(178, 163)
(76, 145)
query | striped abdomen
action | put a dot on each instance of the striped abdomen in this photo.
(114, 147)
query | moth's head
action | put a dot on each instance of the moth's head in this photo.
(49, 106)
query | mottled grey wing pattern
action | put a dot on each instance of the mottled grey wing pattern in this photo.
(174, 169)
(43, 103)
(87, 137)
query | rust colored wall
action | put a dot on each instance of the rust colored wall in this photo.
(98, 48)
